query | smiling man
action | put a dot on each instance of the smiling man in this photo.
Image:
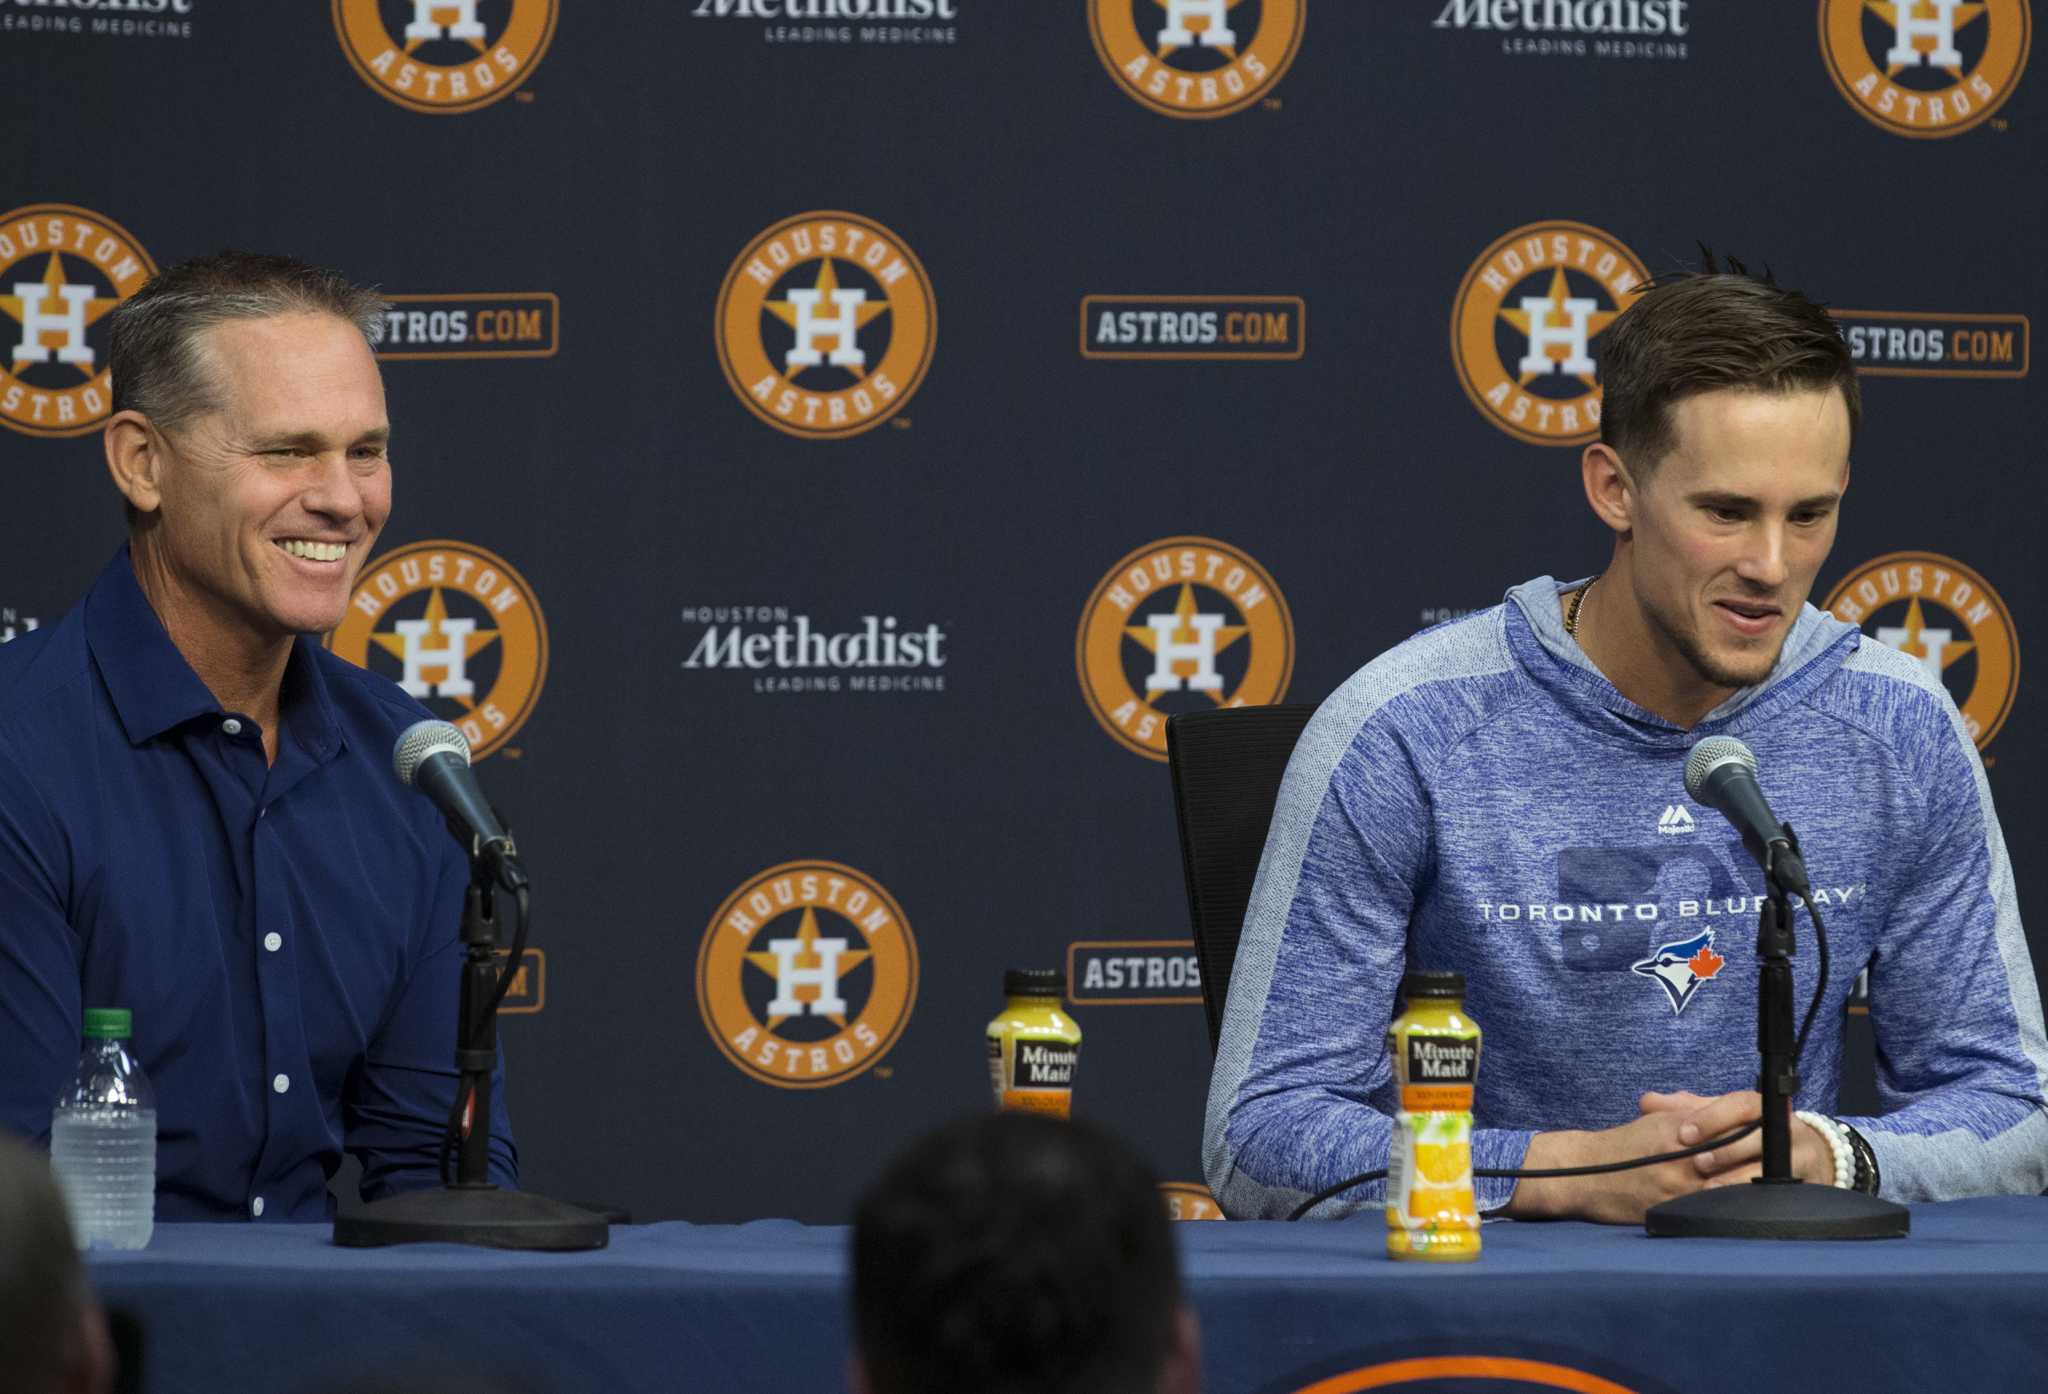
(198, 819)
(1505, 796)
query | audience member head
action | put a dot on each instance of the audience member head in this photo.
(1014, 1252)
(53, 1336)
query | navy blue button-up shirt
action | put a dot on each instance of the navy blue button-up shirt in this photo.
(286, 935)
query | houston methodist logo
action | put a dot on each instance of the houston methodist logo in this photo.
(61, 269)
(1947, 616)
(448, 56)
(1925, 68)
(1182, 624)
(1197, 58)
(807, 974)
(458, 629)
(1525, 322)
(825, 325)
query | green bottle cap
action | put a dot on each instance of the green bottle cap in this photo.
(102, 1022)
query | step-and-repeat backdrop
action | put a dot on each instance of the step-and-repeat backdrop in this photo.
(833, 435)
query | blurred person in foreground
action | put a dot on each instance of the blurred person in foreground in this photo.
(53, 1335)
(1019, 1253)
(198, 818)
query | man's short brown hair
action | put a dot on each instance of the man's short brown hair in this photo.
(1702, 333)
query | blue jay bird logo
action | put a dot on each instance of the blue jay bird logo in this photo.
(1681, 966)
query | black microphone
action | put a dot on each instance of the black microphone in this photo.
(1721, 773)
(433, 757)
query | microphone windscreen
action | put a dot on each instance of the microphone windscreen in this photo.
(1710, 753)
(423, 739)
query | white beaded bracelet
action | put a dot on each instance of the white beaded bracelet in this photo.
(1838, 1143)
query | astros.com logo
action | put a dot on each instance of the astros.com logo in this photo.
(449, 56)
(1181, 624)
(1925, 68)
(826, 324)
(1526, 323)
(807, 974)
(1197, 58)
(458, 629)
(61, 270)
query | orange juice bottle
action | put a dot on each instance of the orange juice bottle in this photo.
(1033, 1046)
(1435, 1050)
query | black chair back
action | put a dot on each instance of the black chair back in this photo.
(1226, 768)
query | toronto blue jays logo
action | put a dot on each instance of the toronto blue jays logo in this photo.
(1681, 966)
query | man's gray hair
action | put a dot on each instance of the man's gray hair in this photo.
(154, 351)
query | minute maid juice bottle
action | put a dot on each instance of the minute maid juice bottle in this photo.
(1033, 1046)
(1435, 1049)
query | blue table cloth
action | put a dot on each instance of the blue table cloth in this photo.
(1960, 1304)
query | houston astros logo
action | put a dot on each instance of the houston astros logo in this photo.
(1182, 624)
(1939, 611)
(1504, 1372)
(61, 270)
(826, 324)
(448, 56)
(807, 974)
(1524, 324)
(1197, 58)
(1925, 68)
(458, 629)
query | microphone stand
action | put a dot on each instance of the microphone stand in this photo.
(471, 1209)
(1777, 1204)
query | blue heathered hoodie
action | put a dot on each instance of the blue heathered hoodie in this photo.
(1481, 799)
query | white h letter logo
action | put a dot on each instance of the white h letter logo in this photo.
(1166, 652)
(1216, 34)
(810, 325)
(35, 320)
(1932, 643)
(1941, 29)
(1542, 336)
(425, 26)
(452, 655)
(789, 977)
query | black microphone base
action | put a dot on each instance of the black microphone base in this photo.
(1777, 1210)
(482, 1215)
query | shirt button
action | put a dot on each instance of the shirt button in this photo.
(281, 1083)
(231, 727)
(273, 941)
(256, 1207)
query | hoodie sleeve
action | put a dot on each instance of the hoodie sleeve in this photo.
(1962, 1063)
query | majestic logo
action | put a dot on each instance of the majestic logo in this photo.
(448, 56)
(61, 270)
(1925, 68)
(1675, 820)
(1197, 58)
(1189, 1200)
(1947, 616)
(825, 325)
(1526, 322)
(1181, 624)
(790, 655)
(516, 324)
(1680, 966)
(1193, 326)
(1920, 344)
(807, 974)
(12, 624)
(1133, 972)
(458, 629)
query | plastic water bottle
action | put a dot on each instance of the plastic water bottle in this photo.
(103, 1139)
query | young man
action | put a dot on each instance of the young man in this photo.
(1013, 1252)
(1494, 796)
(198, 819)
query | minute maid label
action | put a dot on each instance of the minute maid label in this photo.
(1033, 1075)
(1442, 1060)
(1044, 1065)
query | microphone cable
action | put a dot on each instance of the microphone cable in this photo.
(1820, 988)
(451, 1136)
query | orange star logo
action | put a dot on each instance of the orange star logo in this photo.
(1147, 638)
(1916, 624)
(1560, 291)
(54, 304)
(827, 283)
(473, 643)
(1922, 43)
(1199, 24)
(809, 957)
